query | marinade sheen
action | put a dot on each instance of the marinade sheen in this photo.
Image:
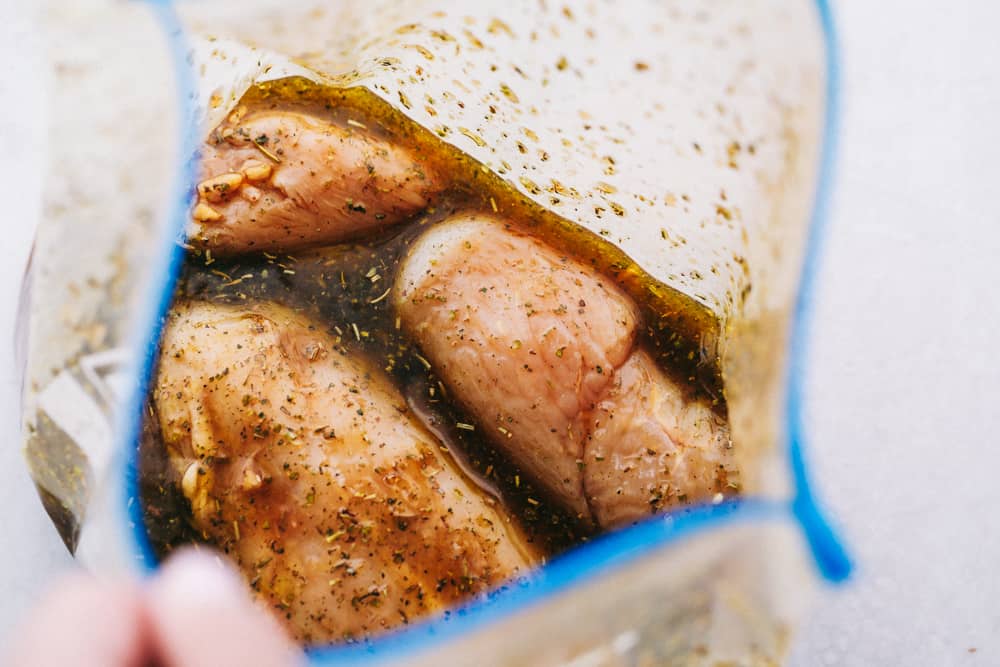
(390, 384)
(281, 181)
(541, 349)
(304, 464)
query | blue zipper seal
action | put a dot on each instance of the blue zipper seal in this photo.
(585, 562)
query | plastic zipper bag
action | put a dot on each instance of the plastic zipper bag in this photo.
(679, 150)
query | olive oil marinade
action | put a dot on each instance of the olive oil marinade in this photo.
(347, 289)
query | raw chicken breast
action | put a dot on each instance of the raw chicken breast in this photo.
(525, 338)
(283, 180)
(541, 349)
(650, 448)
(306, 467)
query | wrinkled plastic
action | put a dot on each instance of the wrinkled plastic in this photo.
(135, 86)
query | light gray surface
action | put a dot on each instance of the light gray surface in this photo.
(903, 401)
(31, 552)
(904, 382)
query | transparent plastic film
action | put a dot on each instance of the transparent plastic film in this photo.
(448, 323)
(707, 204)
(706, 602)
(113, 155)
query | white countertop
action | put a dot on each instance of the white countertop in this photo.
(904, 384)
(32, 551)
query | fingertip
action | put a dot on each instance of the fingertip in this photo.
(198, 575)
(83, 621)
(202, 615)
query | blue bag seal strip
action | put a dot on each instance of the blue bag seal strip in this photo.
(828, 551)
(583, 563)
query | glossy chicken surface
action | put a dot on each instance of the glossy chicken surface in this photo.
(542, 350)
(649, 448)
(284, 180)
(304, 464)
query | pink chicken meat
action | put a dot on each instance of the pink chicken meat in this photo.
(284, 180)
(541, 349)
(302, 461)
(305, 466)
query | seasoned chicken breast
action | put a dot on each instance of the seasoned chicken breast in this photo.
(305, 466)
(542, 350)
(283, 180)
(649, 448)
(525, 338)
